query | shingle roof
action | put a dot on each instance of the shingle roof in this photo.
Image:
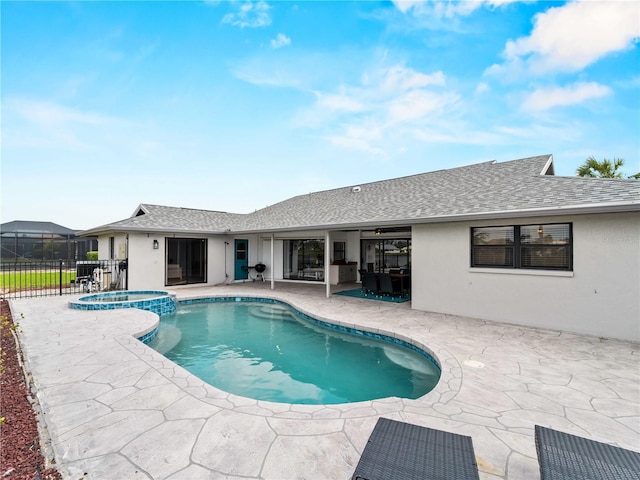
(485, 188)
(24, 226)
(175, 219)
(518, 187)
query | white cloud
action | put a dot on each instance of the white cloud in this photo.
(280, 41)
(249, 14)
(571, 132)
(547, 98)
(289, 69)
(633, 82)
(573, 36)
(389, 103)
(362, 137)
(440, 9)
(399, 94)
(50, 124)
(482, 87)
(452, 134)
(46, 114)
(277, 75)
(338, 102)
(405, 5)
(445, 9)
(418, 104)
(401, 78)
(66, 132)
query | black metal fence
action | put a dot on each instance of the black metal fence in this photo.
(50, 278)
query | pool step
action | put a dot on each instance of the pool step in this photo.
(168, 337)
(271, 312)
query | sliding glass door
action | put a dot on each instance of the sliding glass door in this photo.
(382, 255)
(186, 261)
(304, 259)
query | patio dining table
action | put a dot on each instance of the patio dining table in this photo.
(402, 277)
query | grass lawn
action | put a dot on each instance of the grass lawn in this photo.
(13, 281)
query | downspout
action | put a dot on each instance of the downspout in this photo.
(126, 272)
(327, 262)
(226, 275)
(272, 259)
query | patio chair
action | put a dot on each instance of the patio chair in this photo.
(563, 456)
(388, 285)
(370, 283)
(398, 450)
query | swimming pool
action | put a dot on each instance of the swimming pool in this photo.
(267, 350)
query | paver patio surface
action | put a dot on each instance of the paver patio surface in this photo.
(116, 409)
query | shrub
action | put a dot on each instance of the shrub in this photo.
(92, 255)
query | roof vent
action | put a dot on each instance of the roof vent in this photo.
(356, 189)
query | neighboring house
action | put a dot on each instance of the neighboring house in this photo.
(507, 242)
(23, 241)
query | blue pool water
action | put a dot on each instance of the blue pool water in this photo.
(268, 351)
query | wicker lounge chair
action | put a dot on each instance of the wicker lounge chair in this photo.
(567, 457)
(402, 451)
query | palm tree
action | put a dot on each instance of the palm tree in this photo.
(604, 169)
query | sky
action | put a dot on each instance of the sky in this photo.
(236, 105)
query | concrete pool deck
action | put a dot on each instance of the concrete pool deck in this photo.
(114, 408)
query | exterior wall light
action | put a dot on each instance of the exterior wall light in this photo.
(156, 245)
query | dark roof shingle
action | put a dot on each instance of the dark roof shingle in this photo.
(489, 189)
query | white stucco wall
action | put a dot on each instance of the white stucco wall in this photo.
(215, 259)
(275, 270)
(147, 266)
(120, 246)
(353, 246)
(600, 297)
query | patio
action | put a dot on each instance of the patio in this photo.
(116, 409)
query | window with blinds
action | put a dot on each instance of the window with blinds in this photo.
(542, 246)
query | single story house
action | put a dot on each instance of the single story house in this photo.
(508, 242)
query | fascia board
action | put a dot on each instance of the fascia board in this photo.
(124, 228)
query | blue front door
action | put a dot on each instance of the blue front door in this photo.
(241, 272)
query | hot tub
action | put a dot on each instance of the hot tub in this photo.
(156, 301)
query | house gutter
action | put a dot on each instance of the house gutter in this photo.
(119, 228)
